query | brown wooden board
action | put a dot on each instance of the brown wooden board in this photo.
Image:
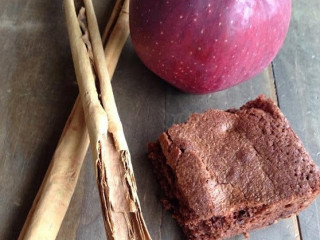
(297, 73)
(36, 96)
(38, 90)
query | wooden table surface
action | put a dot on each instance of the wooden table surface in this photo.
(38, 90)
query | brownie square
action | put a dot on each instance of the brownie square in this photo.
(225, 173)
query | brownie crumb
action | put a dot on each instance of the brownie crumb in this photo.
(225, 173)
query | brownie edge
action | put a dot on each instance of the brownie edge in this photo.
(225, 173)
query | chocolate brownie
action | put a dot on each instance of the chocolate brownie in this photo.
(225, 173)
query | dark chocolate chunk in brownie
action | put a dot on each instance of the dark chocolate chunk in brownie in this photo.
(228, 172)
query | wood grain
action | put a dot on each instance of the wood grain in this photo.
(297, 71)
(34, 86)
(38, 90)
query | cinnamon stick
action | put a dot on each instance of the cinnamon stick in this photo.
(117, 9)
(53, 198)
(114, 175)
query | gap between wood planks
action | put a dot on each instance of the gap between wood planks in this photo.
(271, 76)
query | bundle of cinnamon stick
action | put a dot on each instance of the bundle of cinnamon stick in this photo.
(94, 117)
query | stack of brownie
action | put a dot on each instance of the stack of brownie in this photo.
(227, 172)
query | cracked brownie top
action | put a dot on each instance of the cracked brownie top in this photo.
(246, 157)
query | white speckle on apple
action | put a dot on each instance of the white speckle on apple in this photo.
(313, 56)
(236, 39)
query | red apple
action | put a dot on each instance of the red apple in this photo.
(201, 46)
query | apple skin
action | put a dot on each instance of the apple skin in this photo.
(202, 46)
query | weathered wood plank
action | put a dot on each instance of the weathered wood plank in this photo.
(34, 86)
(179, 106)
(297, 71)
(37, 79)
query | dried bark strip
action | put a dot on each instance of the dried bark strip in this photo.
(53, 198)
(119, 200)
